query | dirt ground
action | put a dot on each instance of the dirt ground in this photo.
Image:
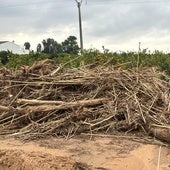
(99, 153)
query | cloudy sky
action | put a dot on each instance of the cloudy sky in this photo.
(114, 24)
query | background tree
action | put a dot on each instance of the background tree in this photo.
(58, 48)
(4, 57)
(70, 45)
(46, 45)
(51, 46)
(39, 48)
(27, 45)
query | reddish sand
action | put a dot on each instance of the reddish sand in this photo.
(82, 154)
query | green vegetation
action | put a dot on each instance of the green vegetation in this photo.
(124, 60)
(52, 47)
(27, 45)
(4, 57)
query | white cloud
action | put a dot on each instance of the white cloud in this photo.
(117, 25)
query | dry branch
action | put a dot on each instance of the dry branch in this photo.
(39, 102)
(49, 106)
(4, 108)
(66, 105)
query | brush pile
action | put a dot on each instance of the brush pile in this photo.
(39, 101)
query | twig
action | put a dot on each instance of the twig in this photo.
(159, 158)
(38, 102)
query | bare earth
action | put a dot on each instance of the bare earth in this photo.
(82, 154)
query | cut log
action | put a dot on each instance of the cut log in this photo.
(161, 133)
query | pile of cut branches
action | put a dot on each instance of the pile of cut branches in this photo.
(38, 101)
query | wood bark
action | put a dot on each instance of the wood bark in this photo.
(161, 133)
(66, 105)
(51, 107)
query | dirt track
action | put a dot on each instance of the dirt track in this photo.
(81, 154)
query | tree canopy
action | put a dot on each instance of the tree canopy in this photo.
(27, 45)
(39, 48)
(4, 57)
(70, 45)
(50, 46)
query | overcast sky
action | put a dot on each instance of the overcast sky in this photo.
(114, 24)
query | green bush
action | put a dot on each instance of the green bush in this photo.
(16, 61)
(124, 60)
(4, 57)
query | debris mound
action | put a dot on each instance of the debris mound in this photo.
(38, 101)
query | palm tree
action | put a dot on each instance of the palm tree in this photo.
(27, 45)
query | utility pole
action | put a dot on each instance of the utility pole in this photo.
(139, 50)
(138, 59)
(80, 24)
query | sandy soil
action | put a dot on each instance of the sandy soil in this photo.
(82, 154)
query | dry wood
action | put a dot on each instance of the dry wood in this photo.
(66, 105)
(52, 107)
(4, 108)
(159, 158)
(56, 102)
(39, 102)
(161, 133)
